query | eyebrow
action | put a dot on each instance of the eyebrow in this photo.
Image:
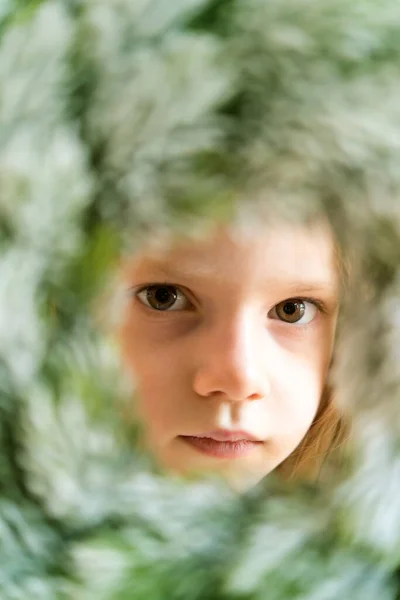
(301, 286)
(182, 272)
(305, 287)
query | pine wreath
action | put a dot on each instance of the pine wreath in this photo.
(115, 116)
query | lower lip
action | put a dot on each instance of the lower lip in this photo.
(221, 449)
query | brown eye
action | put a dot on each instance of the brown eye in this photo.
(295, 310)
(162, 297)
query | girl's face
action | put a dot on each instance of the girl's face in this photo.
(229, 340)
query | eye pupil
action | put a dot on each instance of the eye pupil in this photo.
(161, 297)
(289, 308)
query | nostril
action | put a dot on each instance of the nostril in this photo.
(255, 396)
(231, 390)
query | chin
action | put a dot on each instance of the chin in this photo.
(240, 474)
(242, 482)
(239, 478)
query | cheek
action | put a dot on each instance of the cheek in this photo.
(159, 378)
(297, 386)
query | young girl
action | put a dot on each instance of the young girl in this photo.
(229, 339)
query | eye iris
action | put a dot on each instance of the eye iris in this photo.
(161, 297)
(291, 311)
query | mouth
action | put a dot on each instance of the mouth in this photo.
(222, 443)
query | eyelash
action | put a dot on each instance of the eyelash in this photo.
(135, 291)
(320, 305)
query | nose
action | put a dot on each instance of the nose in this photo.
(228, 361)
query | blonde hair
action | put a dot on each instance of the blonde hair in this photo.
(327, 434)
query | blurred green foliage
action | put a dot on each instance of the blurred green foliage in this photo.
(118, 116)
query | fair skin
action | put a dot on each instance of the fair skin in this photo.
(231, 333)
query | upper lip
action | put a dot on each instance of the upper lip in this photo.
(226, 435)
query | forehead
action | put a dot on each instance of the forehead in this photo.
(281, 252)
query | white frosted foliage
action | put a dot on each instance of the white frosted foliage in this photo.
(46, 188)
(369, 499)
(32, 69)
(22, 335)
